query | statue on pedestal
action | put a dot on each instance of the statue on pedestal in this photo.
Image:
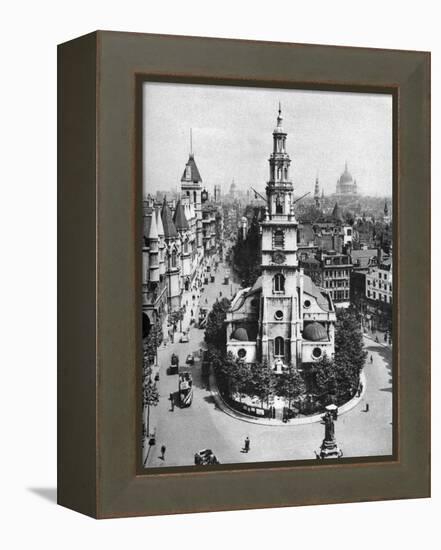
(329, 447)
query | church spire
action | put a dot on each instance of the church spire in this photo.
(279, 118)
(317, 192)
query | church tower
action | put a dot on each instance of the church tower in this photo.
(317, 193)
(280, 322)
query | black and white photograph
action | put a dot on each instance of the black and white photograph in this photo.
(267, 275)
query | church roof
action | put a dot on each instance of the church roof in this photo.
(346, 176)
(315, 332)
(240, 334)
(194, 172)
(308, 288)
(167, 222)
(180, 219)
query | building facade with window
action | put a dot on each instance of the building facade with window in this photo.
(379, 282)
(332, 272)
(179, 236)
(284, 319)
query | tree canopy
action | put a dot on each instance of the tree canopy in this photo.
(215, 331)
(152, 342)
(337, 380)
(290, 385)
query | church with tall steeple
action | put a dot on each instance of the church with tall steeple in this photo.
(283, 319)
(317, 201)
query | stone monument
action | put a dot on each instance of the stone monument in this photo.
(329, 447)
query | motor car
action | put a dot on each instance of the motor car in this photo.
(174, 365)
(205, 457)
(190, 359)
(184, 338)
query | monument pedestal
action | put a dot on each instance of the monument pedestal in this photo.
(329, 449)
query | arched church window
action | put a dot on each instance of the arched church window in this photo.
(173, 259)
(279, 283)
(279, 347)
(279, 205)
(194, 196)
(279, 239)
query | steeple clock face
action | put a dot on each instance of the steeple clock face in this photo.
(278, 257)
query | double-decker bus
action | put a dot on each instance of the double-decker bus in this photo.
(185, 387)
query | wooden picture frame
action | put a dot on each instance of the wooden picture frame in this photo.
(99, 273)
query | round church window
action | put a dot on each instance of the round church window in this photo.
(307, 303)
(242, 353)
(278, 316)
(316, 353)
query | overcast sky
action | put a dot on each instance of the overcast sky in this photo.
(232, 136)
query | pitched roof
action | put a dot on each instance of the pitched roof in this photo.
(322, 298)
(361, 258)
(309, 287)
(159, 222)
(337, 213)
(167, 222)
(153, 230)
(193, 174)
(180, 219)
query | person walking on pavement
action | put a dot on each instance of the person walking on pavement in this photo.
(247, 444)
(163, 449)
(172, 402)
(372, 359)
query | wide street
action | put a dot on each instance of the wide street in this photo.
(204, 425)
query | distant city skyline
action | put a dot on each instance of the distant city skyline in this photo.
(232, 136)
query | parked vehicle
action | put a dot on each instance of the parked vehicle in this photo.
(205, 457)
(174, 364)
(190, 359)
(185, 387)
(184, 338)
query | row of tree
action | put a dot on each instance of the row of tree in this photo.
(255, 379)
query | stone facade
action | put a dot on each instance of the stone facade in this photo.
(284, 319)
(179, 238)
